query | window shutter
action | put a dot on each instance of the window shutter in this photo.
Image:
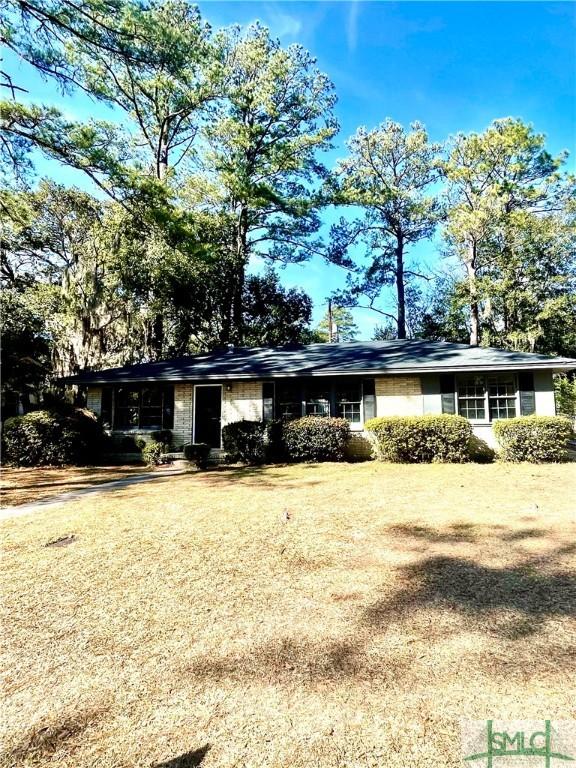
(268, 400)
(106, 407)
(447, 389)
(168, 407)
(369, 398)
(527, 398)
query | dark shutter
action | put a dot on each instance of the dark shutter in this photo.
(168, 407)
(527, 399)
(268, 400)
(369, 398)
(447, 391)
(106, 408)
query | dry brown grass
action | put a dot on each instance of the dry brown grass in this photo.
(189, 623)
(25, 485)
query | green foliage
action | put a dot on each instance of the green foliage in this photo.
(55, 437)
(420, 439)
(25, 348)
(152, 453)
(273, 315)
(243, 441)
(388, 173)
(198, 453)
(511, 224)
(343, 326)
(565, 393)
(313, 438)
(163, 436)
(536, 439)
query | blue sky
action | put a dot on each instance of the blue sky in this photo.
(455, 66)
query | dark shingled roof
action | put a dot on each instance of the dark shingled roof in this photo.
(355, 357)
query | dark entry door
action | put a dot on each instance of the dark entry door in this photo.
(208, 413)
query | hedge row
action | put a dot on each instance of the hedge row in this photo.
(420, 439)
(309, 439)
(534, 438)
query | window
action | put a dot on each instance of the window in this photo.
(349, 402)
(289, 400)
(483, 398)
(318, 400)
(349, 398)
(149, 406)
(501, 397)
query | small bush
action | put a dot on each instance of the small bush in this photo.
(534, 438)
(314, 438)
(198, 454)
(163, 436)
(152, 453)
(420, 439)
(52, 437)
(243, 441)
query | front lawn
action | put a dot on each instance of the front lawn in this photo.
(27, 485)
(335, 615)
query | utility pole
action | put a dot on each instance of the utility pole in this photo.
(330, 333)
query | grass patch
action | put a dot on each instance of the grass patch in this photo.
(334, 615)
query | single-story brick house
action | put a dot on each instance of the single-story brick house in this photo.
(195, 396)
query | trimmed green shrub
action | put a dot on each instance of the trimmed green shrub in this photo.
(534, 438)
(152, 453)
(316, 438)
(197, 453)
(243, 441)
(163, 436)
(67, 435)
(420, 439)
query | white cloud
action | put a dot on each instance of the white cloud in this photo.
(282, 24)
(352, 26)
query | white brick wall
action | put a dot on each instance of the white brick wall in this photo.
(183, 413)
(243, 401)
(399, 396)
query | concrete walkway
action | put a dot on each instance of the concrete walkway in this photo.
(114, 485)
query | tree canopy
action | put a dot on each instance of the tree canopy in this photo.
(209, 173)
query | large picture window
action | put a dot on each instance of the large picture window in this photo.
(339, 397)
(144, 406)
(486, 398)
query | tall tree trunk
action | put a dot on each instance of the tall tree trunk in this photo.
(473, 292)
(400, 287)
(240, 277)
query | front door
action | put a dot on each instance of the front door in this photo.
(207, 415)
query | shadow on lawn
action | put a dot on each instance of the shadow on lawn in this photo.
(188, 760)
(477, 591)
(287, 659)
(46, 740)
(459, 532)
(265, 476)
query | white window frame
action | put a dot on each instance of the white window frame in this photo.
(485, 377)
